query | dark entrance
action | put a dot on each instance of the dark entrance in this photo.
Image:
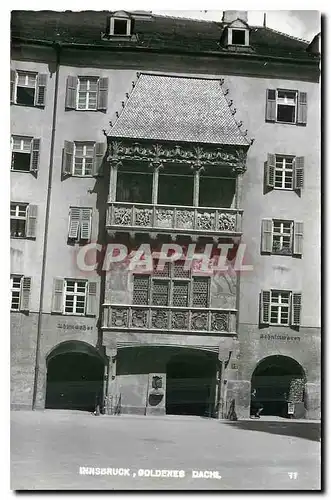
(75, 372)
(279, 380)
(191, 384)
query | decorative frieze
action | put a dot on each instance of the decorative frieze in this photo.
(207, 220)
(164, 318)
(225, 155)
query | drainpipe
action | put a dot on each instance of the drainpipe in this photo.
(57, 48)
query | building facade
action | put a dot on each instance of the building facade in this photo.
(165, 207)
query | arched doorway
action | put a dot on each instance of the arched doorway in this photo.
(191, 384)
(278, 380)
(75, 372)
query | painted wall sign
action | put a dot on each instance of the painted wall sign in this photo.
(287, 338)
(66, 326)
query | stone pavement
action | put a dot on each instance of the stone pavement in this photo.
(48, 448)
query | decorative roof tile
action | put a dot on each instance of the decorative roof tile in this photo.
(172, 108)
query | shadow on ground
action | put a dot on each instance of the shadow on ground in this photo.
(305, 430)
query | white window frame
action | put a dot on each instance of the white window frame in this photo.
(26, 74)
(74, 294)
(22, 140)
(84, 157)
(284, 168)
(15, 289)
(282, 235)
(283, 101)
(230, 30)
(17, 216)
(277, 303)
(112, 25)
(87, 91)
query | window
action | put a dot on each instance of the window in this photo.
(280, 308)
(284, 172)
(82, 159)
(20, 293)
(282, 237)
(86, 93)
(238, 37)
(80, 224)
(286, 106)
(23, 220)
(25, 154)
(74, 297)
(28, 88)
(173, 286)
(120, 26)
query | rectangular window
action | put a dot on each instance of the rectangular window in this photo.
(16, 287)
(87, 93)
(75, 297)
(286, 104)
(238, 37)
(173, 286)
(284, 172)
(83, 159)
(282, 237)
(25, 88)
(21, 154)
(18, 220)
(80, 224)
(280, 308)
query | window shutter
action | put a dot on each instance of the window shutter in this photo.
(58, 293)
(265, 307)
(298, 238)
(296, 309)
(25, 294)
(40, 98)
(266, 240)
(71, 92)
(102, 94)
(270, 115)
(91, 303)
(299, 163)
(99, 152)
(34, 158)
(31, 225)
(270, 173)
(68, 158)
(302, 108)
(74, 221)
(12, 85)
(86, 223)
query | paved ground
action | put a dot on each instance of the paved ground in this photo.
(48, 447)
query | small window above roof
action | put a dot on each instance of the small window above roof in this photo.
(238, 33)
(120, 24)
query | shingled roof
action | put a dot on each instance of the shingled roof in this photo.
(156, 33)
(181, 109)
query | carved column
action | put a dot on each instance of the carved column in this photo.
(114, 165)
(239, 190)
(196, 185)
(156, 167)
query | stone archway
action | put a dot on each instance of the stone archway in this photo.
(75, 373)
(279, 380)
(191, 384)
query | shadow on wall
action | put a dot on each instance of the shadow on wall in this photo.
(304, 430)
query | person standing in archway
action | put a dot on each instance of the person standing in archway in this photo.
(256, 407)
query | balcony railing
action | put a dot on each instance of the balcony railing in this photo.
(165, 318)
(165, 218)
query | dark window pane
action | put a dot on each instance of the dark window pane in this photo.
(216, 192)
(21, 161)
(175, 190)
(238, 37)
(120, 27)
(134, 188)
(285, 113)
(25, 95)
(17, 228)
